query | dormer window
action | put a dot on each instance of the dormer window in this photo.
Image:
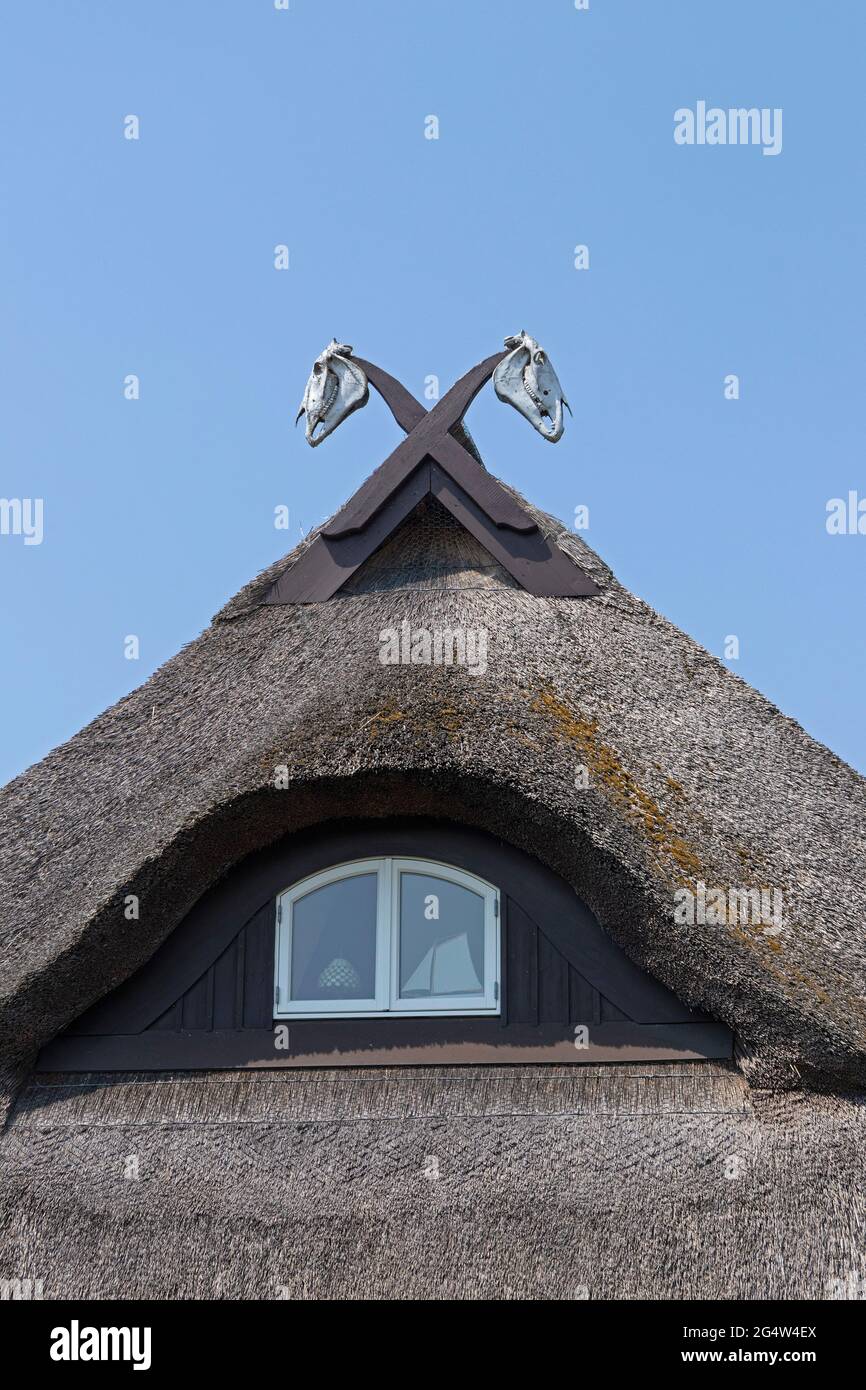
(380, 937)
(409, 943)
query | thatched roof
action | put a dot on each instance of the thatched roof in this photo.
(692, 776)
(660, 1182)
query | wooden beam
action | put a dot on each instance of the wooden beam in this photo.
(399, 1042)
(326, 565)
(430, 436)
(430, 454)
(538, 566)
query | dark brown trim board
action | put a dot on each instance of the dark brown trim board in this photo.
(205, 999)
(430, 438)
(314, 1045)
(538, 566)
(324, 568)
(431, 459)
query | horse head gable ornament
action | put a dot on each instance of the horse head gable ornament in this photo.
(436, 459)
(522, 376)
(526, 380)
(335, 388)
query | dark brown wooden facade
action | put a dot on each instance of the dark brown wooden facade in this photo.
(205, 999)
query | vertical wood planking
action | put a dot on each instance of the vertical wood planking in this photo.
(240, 968)
(539, 986)
(583, 999)
(553, 971)
(522, 967)
(171, 1019)
(259, 968)
(610, 1013)
(197, 1003)
(237, 990)
(225, 974)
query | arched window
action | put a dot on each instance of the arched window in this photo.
(386, 943)
(387, 936)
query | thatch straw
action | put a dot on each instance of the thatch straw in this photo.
(635, 1182)
(692, 776)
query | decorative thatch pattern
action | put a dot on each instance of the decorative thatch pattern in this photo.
(429, 551)
(653, 1182)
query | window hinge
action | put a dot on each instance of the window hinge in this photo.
(279, 913)
(496, 990)
(276, 994)
(495, 907)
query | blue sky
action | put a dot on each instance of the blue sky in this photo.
(260, 127)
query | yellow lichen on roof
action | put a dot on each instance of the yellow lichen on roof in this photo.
(658, 827)
(608, 772)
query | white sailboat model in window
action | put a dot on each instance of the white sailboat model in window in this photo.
(445, 969)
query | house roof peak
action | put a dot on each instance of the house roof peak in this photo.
(437, 458)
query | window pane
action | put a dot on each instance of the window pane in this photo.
(334, 941)
(441, 938)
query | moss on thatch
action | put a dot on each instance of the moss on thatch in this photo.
(691, 775)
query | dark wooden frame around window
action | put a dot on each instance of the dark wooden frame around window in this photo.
(205, 999)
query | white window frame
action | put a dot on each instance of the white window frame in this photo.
(387, 1003)
(447, 1004)
(284, 1005)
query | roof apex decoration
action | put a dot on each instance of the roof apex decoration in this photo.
(438, 458)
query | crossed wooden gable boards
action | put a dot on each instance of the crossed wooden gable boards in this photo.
(431, 460)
